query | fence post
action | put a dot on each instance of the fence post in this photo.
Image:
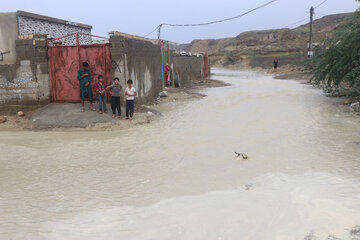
(78, 49)
(205, 65)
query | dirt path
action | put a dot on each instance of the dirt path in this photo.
(68, 115)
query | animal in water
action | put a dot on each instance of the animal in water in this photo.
(240, 156)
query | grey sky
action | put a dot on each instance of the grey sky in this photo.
(139, 17)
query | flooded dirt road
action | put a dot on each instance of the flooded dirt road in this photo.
(176, 178)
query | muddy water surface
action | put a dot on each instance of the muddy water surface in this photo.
(177, 178)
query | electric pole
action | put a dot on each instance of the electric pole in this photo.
(310, 52)
(159, 31)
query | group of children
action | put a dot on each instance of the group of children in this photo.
(84, 77)
(115, 90)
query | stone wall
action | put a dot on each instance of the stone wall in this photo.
(25, 84)
(188, 68)
(140, 61)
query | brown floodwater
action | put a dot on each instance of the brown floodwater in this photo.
(176, 178)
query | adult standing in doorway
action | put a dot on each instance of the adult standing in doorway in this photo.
(84, 76)
(276, 63)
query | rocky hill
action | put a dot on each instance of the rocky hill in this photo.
(256, 47)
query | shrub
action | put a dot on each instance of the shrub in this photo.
(212, 42)
(338, 64)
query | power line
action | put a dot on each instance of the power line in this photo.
(152, 31)
(321, 14)
(219, 21)
(321, 4)
(297, 22)
(208, 23)
(158, 28)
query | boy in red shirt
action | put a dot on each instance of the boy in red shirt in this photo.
(101, 89)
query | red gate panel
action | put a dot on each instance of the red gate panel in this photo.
(65, 61)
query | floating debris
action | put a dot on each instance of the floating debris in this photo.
(241, 156)
(248, 187)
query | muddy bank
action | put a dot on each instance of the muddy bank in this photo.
(354, 234)
(289, 72)
(284, 72)
(68, 115)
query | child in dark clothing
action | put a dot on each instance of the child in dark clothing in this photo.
(276, 63)
(101, 89)
(115, 90)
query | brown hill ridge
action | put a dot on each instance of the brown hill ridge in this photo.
(267, 43)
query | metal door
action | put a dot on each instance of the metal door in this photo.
(66, 60)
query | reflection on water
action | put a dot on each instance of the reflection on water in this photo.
(177, 178)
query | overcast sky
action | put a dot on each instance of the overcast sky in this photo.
(139, 17)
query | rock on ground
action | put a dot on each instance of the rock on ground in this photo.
(163, 94)
(355, 107)
(355, 233)
(3, 119)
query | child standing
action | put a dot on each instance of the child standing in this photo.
(101, 89)
(130, 93)
(115, 90)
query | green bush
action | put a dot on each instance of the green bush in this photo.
(338, 64)
(212, 42)
(256, 54)
(229, 54)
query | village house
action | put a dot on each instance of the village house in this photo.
(40, 56)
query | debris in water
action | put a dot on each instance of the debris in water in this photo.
(248, 187)
(310, 236)
(241, 156)
(355, 232)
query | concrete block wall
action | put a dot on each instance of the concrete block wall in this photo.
(140, 61)
(25, 84)
(188, 68)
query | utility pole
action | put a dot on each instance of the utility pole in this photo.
(310, 52)
(159, 31)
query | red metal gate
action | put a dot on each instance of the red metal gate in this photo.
(66, 60)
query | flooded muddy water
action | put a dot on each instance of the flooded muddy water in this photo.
(176, 178)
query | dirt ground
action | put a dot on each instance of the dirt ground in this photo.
(57, 116)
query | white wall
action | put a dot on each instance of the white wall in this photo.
(8, 35)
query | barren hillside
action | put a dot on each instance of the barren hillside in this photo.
(284, 43)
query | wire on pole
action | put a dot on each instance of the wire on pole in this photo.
(222, 20)
(208, 23)
(152, 31)
(320, 4)
(296, 22)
